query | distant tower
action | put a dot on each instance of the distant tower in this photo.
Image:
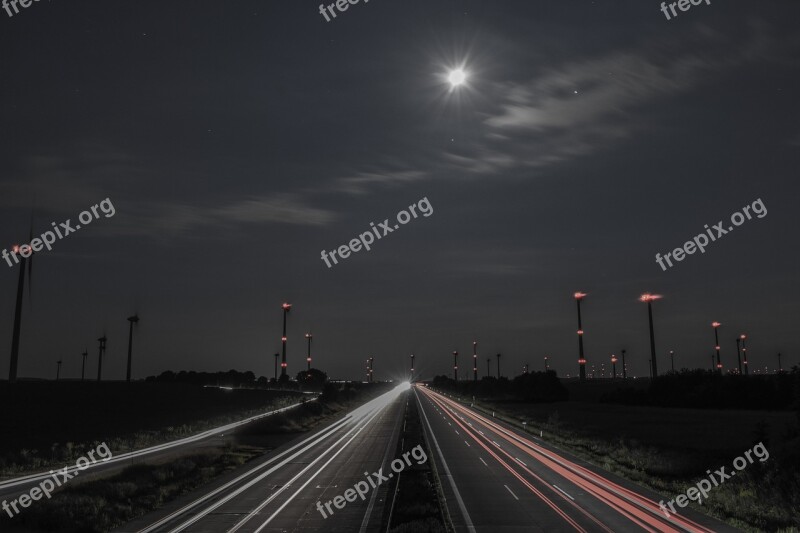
(286, 307)
(102, 340)
(581, 359)
(475, 361)
(309, 336)
(133, 320)
(624, 366)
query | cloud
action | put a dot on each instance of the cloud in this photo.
(573, 109)
(280, 208)
(59, 185)
(362, 182)
(581, 107)
(171, 219)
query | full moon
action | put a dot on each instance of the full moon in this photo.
(457, 77)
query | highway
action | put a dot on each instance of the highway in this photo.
(280, 491)
(499, 479)
(495, 478)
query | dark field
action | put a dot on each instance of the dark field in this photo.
(47, 422)
(711, 433)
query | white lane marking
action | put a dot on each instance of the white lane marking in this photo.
(373, 498)
(212, 507)
(457, 433)
(298, 491)
(509, 490)
(316, 438)
(467, 443)
(520, 462)
(484, 462)
(493, 442)
(461, 506)
(481, 432)
(564, 493)
(355, 417)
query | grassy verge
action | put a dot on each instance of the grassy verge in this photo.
(416, 506)
(98, 506)
(127, 417)
(763, 497)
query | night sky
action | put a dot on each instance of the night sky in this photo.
(237, 140)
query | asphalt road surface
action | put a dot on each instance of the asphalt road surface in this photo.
(280, 491)
(501, 480)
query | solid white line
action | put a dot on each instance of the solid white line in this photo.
(316, 438)
(564, 493)
(298, 491)
(461, 506)
(266, 502)
(374, 496)
(201, 514)
(509, 490)
(355, 417)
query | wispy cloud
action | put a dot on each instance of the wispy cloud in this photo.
(362, 182)
(281, 208)
(574, 109)
(581, 107)
(173, 219)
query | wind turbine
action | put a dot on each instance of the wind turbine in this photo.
(26, 260)
(83, 367)
(102, 340)
(133, 320)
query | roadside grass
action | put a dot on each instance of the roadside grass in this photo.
(417, 505)
(670, 449)
(101, 505)
(127, 417)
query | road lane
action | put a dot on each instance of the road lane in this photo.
(280, 491)
(491, 491)
(566, 494)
